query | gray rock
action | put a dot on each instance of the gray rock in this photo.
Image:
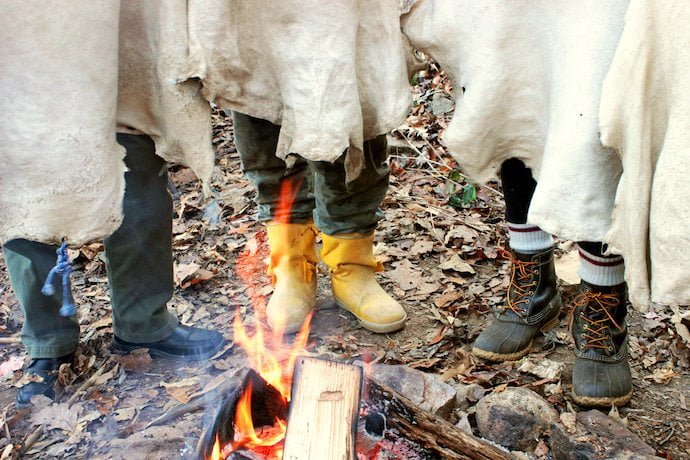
(468, 394)
(441, 104)
(463, 422)
(596, 435)
(425, 390)
(515, 418)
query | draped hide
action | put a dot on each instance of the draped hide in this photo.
(527, 77)
(61, 170)
(331, 72)
(645, 115)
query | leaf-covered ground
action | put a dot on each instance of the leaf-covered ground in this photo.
(440, 243)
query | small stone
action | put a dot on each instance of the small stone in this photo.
(515, 418)
(468, 394)
(425, 390)
(463, 422)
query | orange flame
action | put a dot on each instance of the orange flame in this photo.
(216, 454)
(269, 353)
(286, 199)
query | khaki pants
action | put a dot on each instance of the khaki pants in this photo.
(138, 261)
(335, 206)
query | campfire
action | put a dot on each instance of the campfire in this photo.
(254, 419)
(287, 406)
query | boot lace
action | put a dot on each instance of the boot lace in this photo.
(598, 316)
(521, 283)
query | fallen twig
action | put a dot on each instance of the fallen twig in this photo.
(32, 438)
(10, 340)
(201, 401)
(84, 386)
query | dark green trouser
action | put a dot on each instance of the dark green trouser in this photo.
(138, 260)
(335, 206)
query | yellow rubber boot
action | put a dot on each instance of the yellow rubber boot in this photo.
(292, 268)
(350, 258)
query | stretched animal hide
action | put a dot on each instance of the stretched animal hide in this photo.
(61, 171)
(331, 72)
(645, 116)
(527, 77)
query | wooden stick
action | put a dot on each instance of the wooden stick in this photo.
(430, 431)
(10, 340)
(84, 386)
(322, 424)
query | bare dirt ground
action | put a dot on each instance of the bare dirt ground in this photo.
(442, 261)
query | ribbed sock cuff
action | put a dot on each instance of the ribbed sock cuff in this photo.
(601, 271)
(528, 238)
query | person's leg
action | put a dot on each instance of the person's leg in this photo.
(139, 263)
(50, 339)
(347, 214)
(533, 302)
(256, 141)
(285, 203)
(601, 374)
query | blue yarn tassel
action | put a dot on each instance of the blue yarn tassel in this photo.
(62, 268)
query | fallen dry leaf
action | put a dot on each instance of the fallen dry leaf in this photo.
(136, 361)
(8, 367)
(182, 390)
(455, 263)
(662, 375)
(542, 367)
(58, 416)
(405, 275)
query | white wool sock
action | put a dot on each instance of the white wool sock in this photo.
(601, 271)
(528, 238)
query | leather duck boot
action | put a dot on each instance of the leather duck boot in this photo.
(292, 268)
(533, 305)
(601, 374)
(350, 258)
(43, 372)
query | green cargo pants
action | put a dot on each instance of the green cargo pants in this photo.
(335, 206)
(138, 261)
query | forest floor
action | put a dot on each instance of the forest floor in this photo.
(439, 242)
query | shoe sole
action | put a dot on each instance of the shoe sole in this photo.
(497, 357)
(162, 354)
(607, 401)
(377, 328)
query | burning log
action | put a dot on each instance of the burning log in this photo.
(428, 430)
(324, 409)
(267, 406)
(323, 419)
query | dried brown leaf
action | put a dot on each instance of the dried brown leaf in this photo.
(136, 361)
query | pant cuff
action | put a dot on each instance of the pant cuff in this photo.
(51, 351)
(151, 336)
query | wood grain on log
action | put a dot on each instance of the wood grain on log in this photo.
(322, 424)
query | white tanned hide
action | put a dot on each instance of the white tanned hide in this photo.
(331, 72)
(527, 76)
(645, 115)
(61, 171)
(71, 74)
